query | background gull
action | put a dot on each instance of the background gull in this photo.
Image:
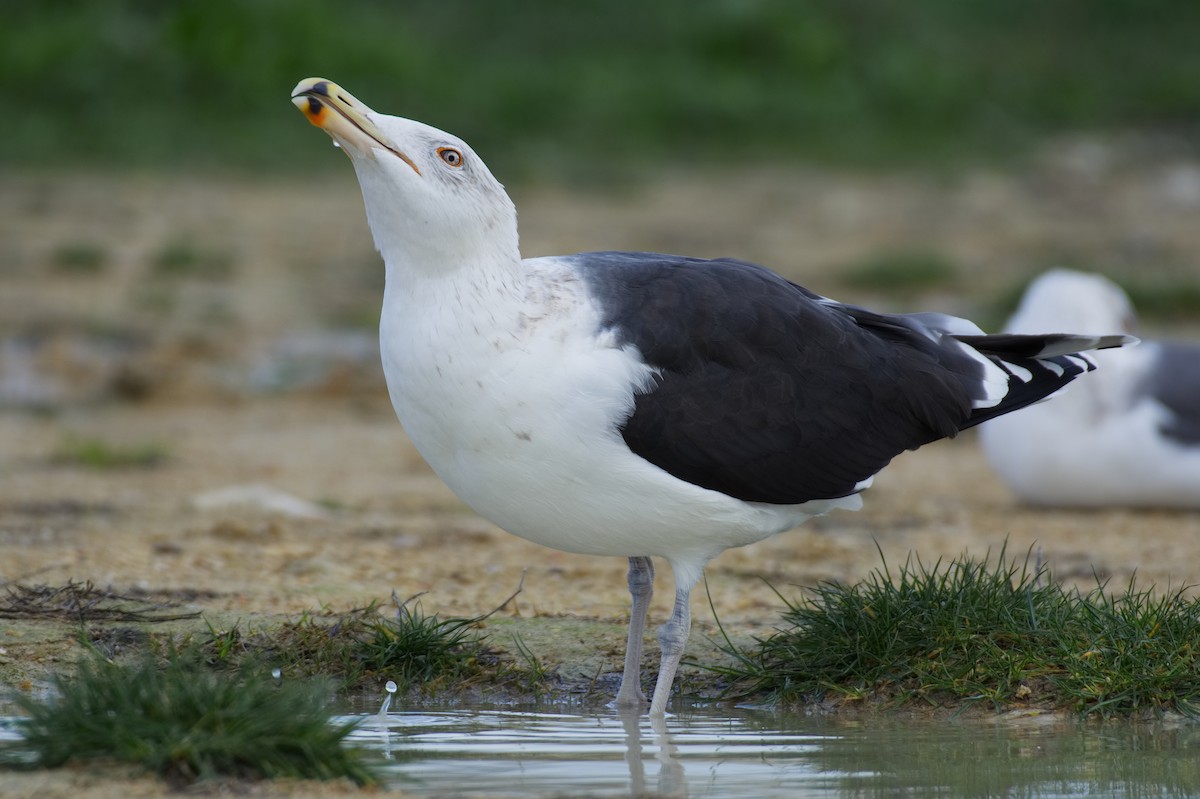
(1128, 435)
(639, 404)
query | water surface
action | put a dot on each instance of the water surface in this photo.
(743, 754)
(746, 754)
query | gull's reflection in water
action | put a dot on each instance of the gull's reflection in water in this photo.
(671, 779)
(535, 753)
(520, 754)
(632, 722)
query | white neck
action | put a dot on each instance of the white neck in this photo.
(426, 240)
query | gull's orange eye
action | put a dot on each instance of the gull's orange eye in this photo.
(451, 156)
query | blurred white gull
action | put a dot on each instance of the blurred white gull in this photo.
(645, 405)
(1127, 435)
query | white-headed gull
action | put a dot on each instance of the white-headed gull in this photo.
(638, 404)
(1128, 435)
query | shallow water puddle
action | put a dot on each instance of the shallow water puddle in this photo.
(738, 754)
(514, 753)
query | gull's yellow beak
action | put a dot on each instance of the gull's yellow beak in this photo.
(337, 112)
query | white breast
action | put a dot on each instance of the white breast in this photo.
(515, 398)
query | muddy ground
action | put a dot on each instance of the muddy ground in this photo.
(216, 332)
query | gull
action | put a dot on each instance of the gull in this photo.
(638, 404)
(1128, 436)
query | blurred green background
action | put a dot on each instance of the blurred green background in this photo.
(534, 85)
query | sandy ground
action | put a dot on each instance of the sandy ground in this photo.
(385, 522)
(249, 361)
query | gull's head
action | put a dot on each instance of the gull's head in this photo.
(1063, 300)
(431, 201)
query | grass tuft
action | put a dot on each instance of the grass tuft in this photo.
(1167, 294)
(901, 272)
(80, 258)
(185, 259)
(1132, 651)
(360, 648)
(185, 723)
(967, 631)
(1167, 299)
(415, 649)
(96, 453)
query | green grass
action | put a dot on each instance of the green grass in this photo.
(186, 259)
(416, 649)
(900, 272)
(423, 653)
(549, 86)
(1167, 293)
(970, 631)
(185, 723)
(100, 454)
(80, 258)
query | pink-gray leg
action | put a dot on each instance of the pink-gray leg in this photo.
(672, 637)
(641, 588)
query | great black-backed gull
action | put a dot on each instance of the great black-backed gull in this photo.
(638, 404)
(1127, 436)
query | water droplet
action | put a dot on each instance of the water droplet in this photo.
(387, 700)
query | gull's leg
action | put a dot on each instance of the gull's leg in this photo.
(641, 588)
(673, 635)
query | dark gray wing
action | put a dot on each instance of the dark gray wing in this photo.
(1175, 382)
(768, 392)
